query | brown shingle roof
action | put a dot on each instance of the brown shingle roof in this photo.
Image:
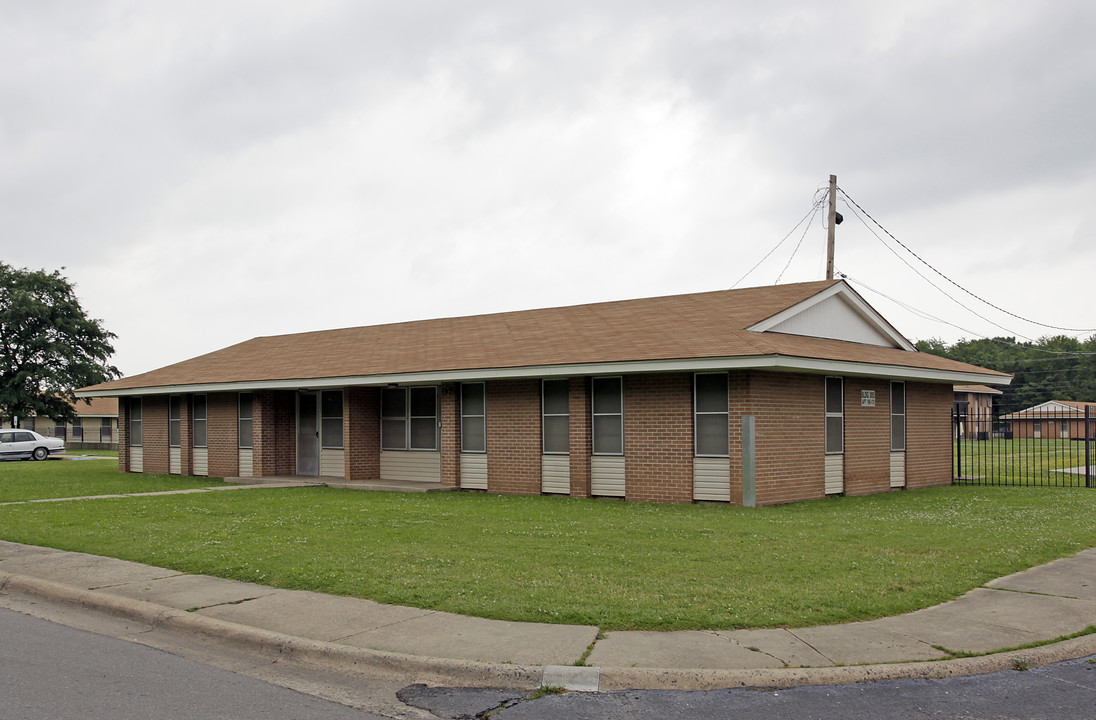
(977, 389)
(702, 325)
(97, 407)
(1044, 411)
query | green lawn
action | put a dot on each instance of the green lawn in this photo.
(91, 453)
(1021, 461)
(25, 480)
(608, 563)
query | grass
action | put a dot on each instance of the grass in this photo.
(76, 478)
(1021, 461)
(607, 563)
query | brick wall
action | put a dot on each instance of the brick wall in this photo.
(186, 433)
(580, 440)
(658, 437)
(867, 437)
(262, 433)
(450, 434)
(123, 434)
(513, 437)
(928, 435)
(740, 405)
(154, 434)
(223, 439)
(789, 412)
(285, 432)
(363, 435)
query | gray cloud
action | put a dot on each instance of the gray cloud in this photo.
(346, 163)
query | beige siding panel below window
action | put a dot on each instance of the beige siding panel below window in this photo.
(835, 474)
(332, 462)
(175, 460)
(413, 466)
(247, 462)
(607, 475)
(136, 459)
(898, 469)
(712, 479)
(555, 474)
(473, 471)
(201, 461)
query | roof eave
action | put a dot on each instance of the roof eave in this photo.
(776, 362)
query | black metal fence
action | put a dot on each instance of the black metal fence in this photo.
(1045, 448)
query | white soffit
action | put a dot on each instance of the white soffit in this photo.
(836, 313)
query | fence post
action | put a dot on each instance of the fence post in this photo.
(1088, 445)
(957, 434)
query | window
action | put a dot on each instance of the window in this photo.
(200, 421)
(409, 418)
(608, 415)
(331, 419)
(244, 420)
(712, 415)
(898, 416)
(473, 418)
(60, 431)
(555, 421)
(424, 418)
(77, 429)
(835, 416)
(174, 421)
(105, 431)
(135, 422)
(394, 419)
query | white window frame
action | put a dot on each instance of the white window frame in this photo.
(197, 420)
(407, 418)
(831, 415)
(544, 415)
(698, 413)
(895, 416)
(467, 418)
(594, 415)
(174, 420)
(401, 417)
(333, 439)
(136, 422)
(249, 418)
(77, 430)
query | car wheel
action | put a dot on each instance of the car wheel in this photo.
(40, 453)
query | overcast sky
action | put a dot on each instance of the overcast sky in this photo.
(208, 172)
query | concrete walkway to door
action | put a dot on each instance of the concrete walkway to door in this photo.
(304, 480)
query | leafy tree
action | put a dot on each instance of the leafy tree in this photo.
(48, 345)
(1053, 368)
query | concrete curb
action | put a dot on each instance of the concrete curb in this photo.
(445, 671)
(278, 645)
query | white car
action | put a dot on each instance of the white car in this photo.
(26, 445)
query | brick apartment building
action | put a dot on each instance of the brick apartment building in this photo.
(754, 396)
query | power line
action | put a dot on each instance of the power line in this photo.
(798, 244)
(968, 292)
(943, 292)
(928, 316)
(810, 214)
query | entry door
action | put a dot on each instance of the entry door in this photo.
(308, 434)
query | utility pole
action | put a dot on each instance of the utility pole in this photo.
(831, 227)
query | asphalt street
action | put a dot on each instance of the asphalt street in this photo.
(53, 672)
(1062, 691)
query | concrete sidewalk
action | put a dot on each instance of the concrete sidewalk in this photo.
(1035, 606)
